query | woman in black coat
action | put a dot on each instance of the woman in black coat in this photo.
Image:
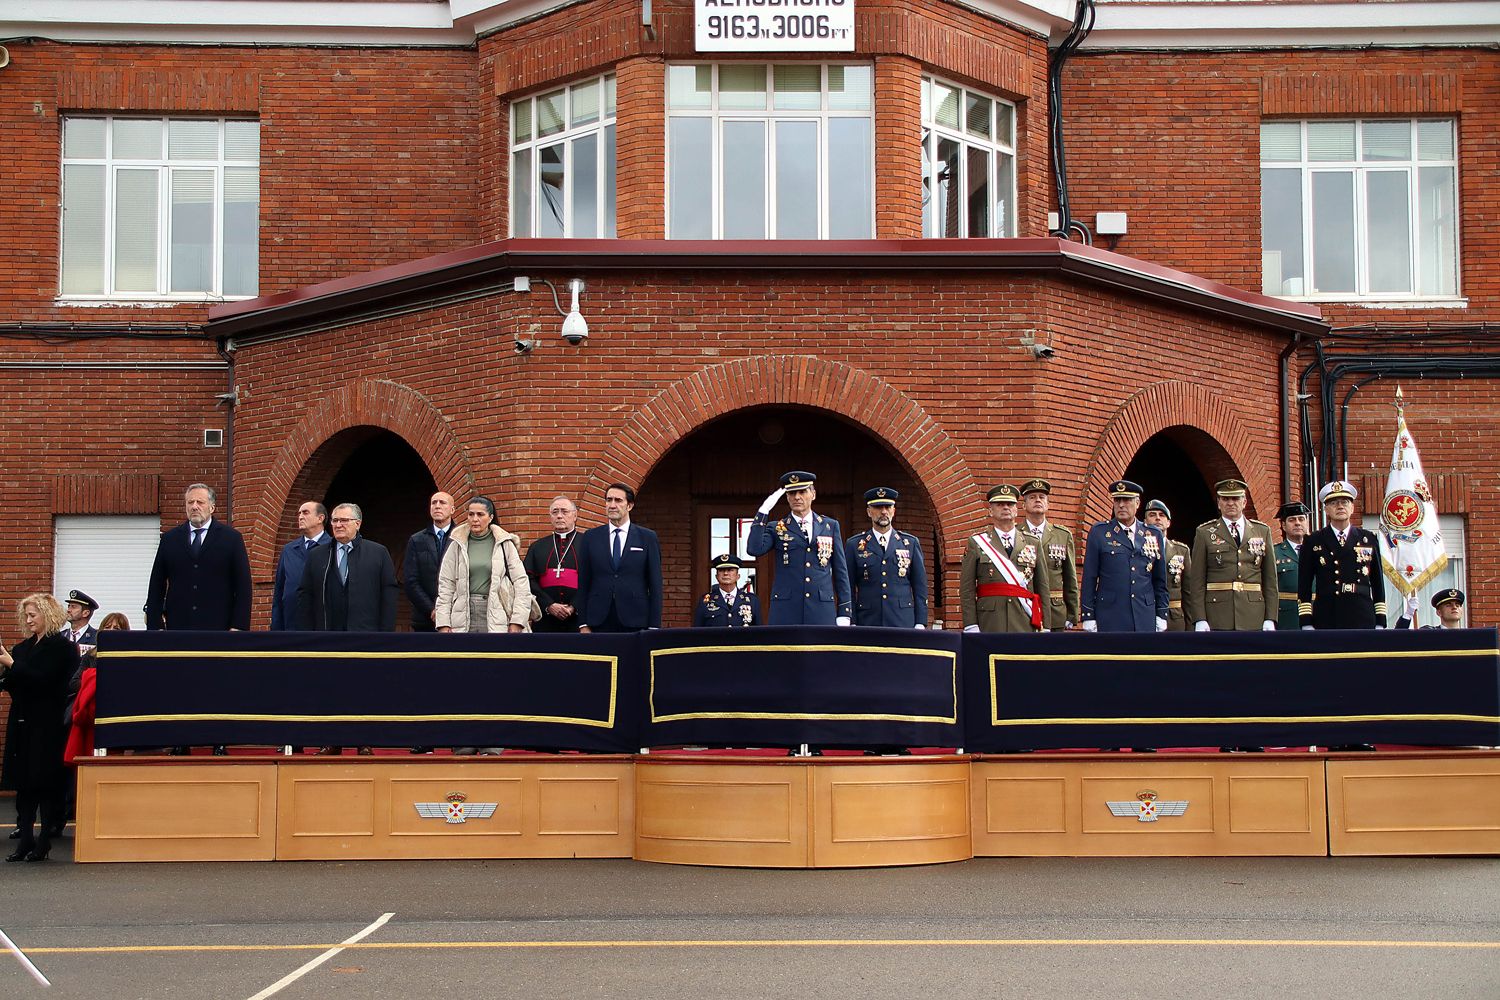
(36, 674)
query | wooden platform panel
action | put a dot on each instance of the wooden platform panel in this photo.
(802, 813)
(138, 809)
(1435, 803)
(1177, 805)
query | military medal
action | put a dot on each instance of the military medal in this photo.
(746, 613)
(903, 560)
(1174, 566)
(1150, 549)
(825, 549)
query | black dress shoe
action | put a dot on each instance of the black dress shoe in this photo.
(221, 751)
(1354, 748)
(19, 854)
(14, 835)
(39, 854)
(180, 752)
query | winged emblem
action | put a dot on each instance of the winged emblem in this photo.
(1148, 808)
(457, 809)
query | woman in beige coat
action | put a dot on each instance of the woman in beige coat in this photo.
(482, 584)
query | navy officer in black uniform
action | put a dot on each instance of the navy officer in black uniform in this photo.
(811, 585)
(886, 568)
(727, 605)
(1339, 579)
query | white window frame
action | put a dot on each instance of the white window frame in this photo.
(769, 116)
(567, 136)
(996, 146)
(164, 167)
(1362, 169)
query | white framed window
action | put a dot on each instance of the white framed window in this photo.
(779, 151)
(163, 208)
(1453, 575)
(968, 162)
(108, 557)
(562, 162)
(1359, 209)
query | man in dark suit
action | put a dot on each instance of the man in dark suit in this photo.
(619, 570)
(349, 586)
(424, 554)
(886, 569)
(201, 577)
(312, 522)
(1124, 585)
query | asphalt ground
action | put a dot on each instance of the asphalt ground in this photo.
(989, 928)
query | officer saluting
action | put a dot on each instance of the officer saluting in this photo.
(1294, 526)
(1340, 583)
(811, 585)
(886, 568)
(727, 606)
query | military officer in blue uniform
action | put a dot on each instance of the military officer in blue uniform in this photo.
(886, 568)
(1124, 585)
(811, 585)
(727, 605)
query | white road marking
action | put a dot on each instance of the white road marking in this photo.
(292, 977)
(26, 962)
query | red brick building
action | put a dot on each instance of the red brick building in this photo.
(304, 234)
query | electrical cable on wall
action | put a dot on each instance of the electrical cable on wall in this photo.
(1083, 23)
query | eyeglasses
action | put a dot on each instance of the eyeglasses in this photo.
(345, 520)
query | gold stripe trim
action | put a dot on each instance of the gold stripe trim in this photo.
(240, 654)
(1174, 605)
(247, 717)
(1247, 718)
(1237, 586)
(1287, 595)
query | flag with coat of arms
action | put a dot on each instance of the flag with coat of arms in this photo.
(1411, 545)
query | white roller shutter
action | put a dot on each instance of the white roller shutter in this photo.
(108, 557)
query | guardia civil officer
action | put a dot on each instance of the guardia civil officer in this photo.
(811, 583)
(1294, 518)
(1124, 585)
(886, 569)
(1232, 578)
(1340, 583)
(727, 605)
(1449, 605)
(1058, 548)
(1179, 557)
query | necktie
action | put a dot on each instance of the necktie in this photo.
(1008, 542)
(197, 540)
(615, 552)
(344, 562)
(885, 544)
(1341, 538)
(442, 536)
(807, 529)
(307, 545)
(1234, 532)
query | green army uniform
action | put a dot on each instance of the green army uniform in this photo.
(1286, 584)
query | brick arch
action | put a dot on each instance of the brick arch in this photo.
(916, 438)
(370, 403)
(1165, 405)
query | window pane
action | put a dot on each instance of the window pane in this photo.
(83, 138)
(977, 115)
(586, 103)
(520, 121)
(946, 216)
(742, 86)
(799, 86)
(689, 174)
(191, 254)
(83, 228)
(1005, 213)
(586, 186)
(1333, 231)
(744, 180)
(550, 182)
(1281, 140)
(1387, 140)
(947, 105)
(241, 230)
(929, 180)
(192, 140)
(1435, 140)
(849, 88)
(978, 181)
(550, 118)
(1438, 231)
(851, 160)
(690, 86)
(797, 180)
(1282, 271)
(609, 182)
(242, 141)
(1330, 140)
(609, 97)
(1388, 228)
(520, 193)
(136, 225)
(137, 139)
(1005, 123)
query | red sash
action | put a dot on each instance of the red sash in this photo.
(1011, 590)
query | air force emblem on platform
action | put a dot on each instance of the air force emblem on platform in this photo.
(1148, 808)
(456, 810)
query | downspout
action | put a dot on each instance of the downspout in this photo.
(230, 398)
(1283, 370)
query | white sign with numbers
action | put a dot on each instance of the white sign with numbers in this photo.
(774, 25)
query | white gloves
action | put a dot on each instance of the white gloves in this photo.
(1307, 628)
(920, 625)
(971, 628)
(841, 621)
(1201, 627)
(1067, 625)
(1268, 626)
(1091, 626)
(1411, 605)
(1161, 624)
(772, 501)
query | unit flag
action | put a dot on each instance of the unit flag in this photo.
(1411, 545)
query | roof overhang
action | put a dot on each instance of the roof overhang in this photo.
(414, 282)
(1239, 24)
